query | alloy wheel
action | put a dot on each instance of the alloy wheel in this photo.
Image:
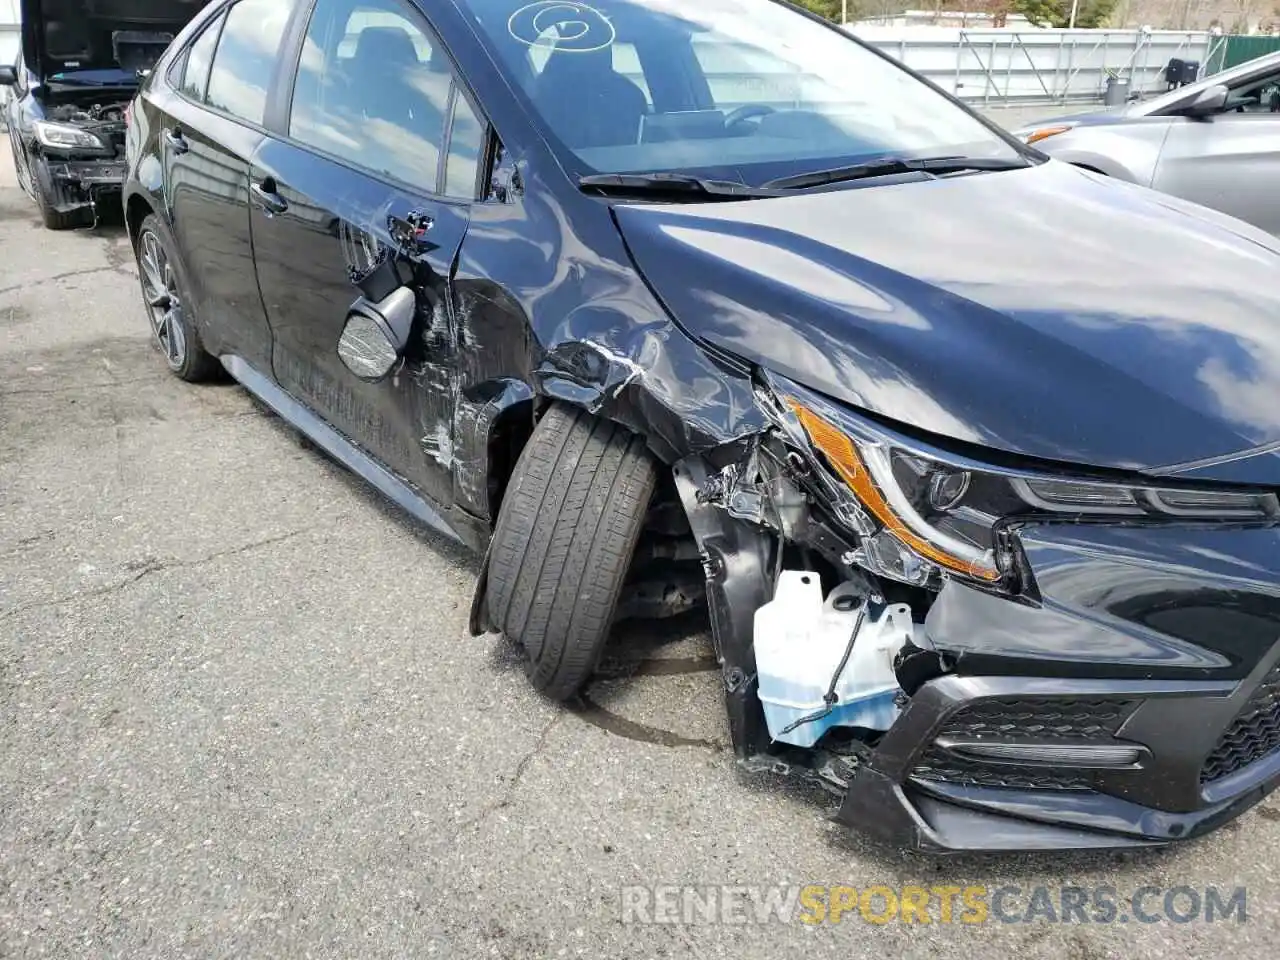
(163, 298)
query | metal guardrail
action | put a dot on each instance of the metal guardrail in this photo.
(1041, 66)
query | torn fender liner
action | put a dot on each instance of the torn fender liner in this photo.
(475, 418)
(478, 620)
(735, 557)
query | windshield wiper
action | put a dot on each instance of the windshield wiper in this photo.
(671, 183)
(887, 166)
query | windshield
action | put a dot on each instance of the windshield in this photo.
(749, 90)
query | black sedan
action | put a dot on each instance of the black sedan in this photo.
(970, 454)
(76, 71)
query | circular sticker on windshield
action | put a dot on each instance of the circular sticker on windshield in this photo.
(562, 25)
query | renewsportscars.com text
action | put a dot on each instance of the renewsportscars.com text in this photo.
(939, 903)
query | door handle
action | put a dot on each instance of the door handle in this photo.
(176, 141)
(264, 194)
(410, 232)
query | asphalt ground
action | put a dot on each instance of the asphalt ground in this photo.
(240, 715)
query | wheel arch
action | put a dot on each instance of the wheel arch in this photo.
(137, 208)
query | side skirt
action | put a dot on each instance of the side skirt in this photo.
(336, 445)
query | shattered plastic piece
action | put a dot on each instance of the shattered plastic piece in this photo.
(745, 492)
(811, 678)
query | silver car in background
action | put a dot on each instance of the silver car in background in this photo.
(1215, 142)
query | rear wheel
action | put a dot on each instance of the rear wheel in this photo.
(164, 294)
(566, 532)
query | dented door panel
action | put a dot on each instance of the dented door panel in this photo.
(338, 225)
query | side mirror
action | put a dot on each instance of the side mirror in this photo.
(1207, 101)
(376, 333)
(8, 76)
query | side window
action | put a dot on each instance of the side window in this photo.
(246, 58)
(195, 62)
(1258, 95)
(374, 89)
(466, 137)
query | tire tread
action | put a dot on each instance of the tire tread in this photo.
(563, 544)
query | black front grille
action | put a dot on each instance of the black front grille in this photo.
(1034, 718)
(1253, 734)
(1067, 719)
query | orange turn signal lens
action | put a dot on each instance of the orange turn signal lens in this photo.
(842, 454)
(1043, 133)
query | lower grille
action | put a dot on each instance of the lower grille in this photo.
(938, 764)
(1033, 718)
(1065, 719)
(1252, 735)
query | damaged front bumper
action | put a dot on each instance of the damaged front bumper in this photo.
(917, 789)
(1125, 691)
(79, 184)
(1137, 702)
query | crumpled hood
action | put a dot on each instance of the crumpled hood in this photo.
(1047, 312)
(61, 36)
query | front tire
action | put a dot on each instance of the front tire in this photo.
(168, 303)
(565, 536)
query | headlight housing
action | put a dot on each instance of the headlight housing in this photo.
(923, 515)
(63, 136)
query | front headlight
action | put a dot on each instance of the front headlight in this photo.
(63, 136)
(922, 515)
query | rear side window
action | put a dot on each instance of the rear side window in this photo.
(199, 56)
(245, 61)
(465, 140)
(374, 89)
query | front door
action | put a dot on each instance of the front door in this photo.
(1227, 161)
(358, 177)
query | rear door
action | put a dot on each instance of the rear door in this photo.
(1228, 161)
(211, 124)
(361, 171)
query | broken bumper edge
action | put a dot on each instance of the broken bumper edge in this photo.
(83, 183)
(879, 807)
(887, 800)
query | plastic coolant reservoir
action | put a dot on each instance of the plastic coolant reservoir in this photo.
(799, 641)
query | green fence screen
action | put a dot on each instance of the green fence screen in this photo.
(1236, 50)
